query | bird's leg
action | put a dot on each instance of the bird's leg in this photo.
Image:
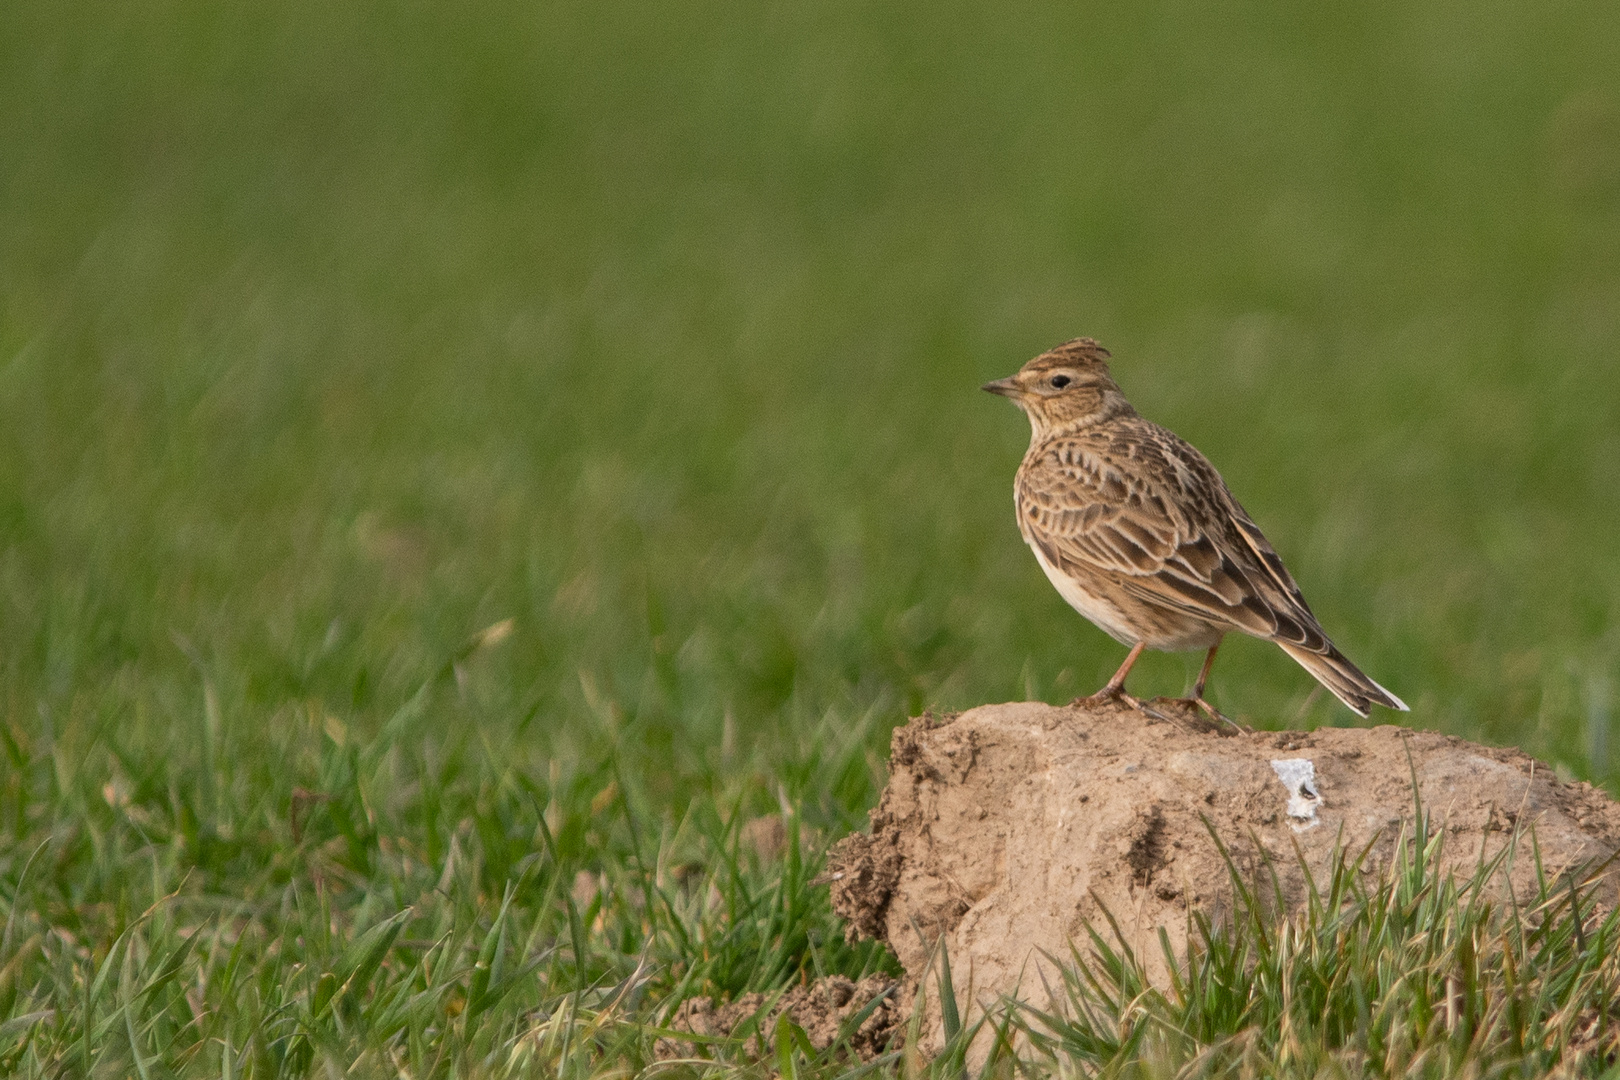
(1115, 690)
(1203, 673)
(1197, 698)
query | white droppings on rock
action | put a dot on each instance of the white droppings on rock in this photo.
(1299, 777)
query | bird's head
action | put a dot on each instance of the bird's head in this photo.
(1064, 388)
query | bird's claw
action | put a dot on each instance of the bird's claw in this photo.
(1106, 696)
(1110, 694)
(1201, 705)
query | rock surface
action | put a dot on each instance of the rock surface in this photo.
(1006, 828)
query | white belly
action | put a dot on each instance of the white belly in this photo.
(1105, 615)
(1165, 633)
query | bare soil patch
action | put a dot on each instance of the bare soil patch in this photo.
(824, 1009)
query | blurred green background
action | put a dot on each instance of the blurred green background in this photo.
(332, 334)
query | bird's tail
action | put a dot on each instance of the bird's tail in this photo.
(1339, 675)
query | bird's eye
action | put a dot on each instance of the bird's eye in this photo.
(1059, 381)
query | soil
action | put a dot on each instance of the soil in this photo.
(823, 1009)
(1008, 829)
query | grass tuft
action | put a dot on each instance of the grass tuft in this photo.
(1414, 972)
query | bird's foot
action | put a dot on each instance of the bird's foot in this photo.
(1197, 704)
(1109, 695)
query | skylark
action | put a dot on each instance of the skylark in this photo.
(1139, 534)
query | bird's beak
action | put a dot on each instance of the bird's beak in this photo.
(1004, 387)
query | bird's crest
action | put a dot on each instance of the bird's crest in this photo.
(1081, 352)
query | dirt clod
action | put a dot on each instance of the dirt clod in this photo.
(1008, 828)
(823, 1009)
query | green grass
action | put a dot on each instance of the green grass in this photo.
(334, 334)
(428, 911)
(552, 938)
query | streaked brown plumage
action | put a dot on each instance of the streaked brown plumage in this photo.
(1139, 533)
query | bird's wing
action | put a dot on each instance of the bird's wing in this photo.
(1149, 512)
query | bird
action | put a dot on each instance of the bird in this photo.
(1138, 532)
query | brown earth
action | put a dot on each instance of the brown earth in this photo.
(823, 1009)
(1008, 828)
